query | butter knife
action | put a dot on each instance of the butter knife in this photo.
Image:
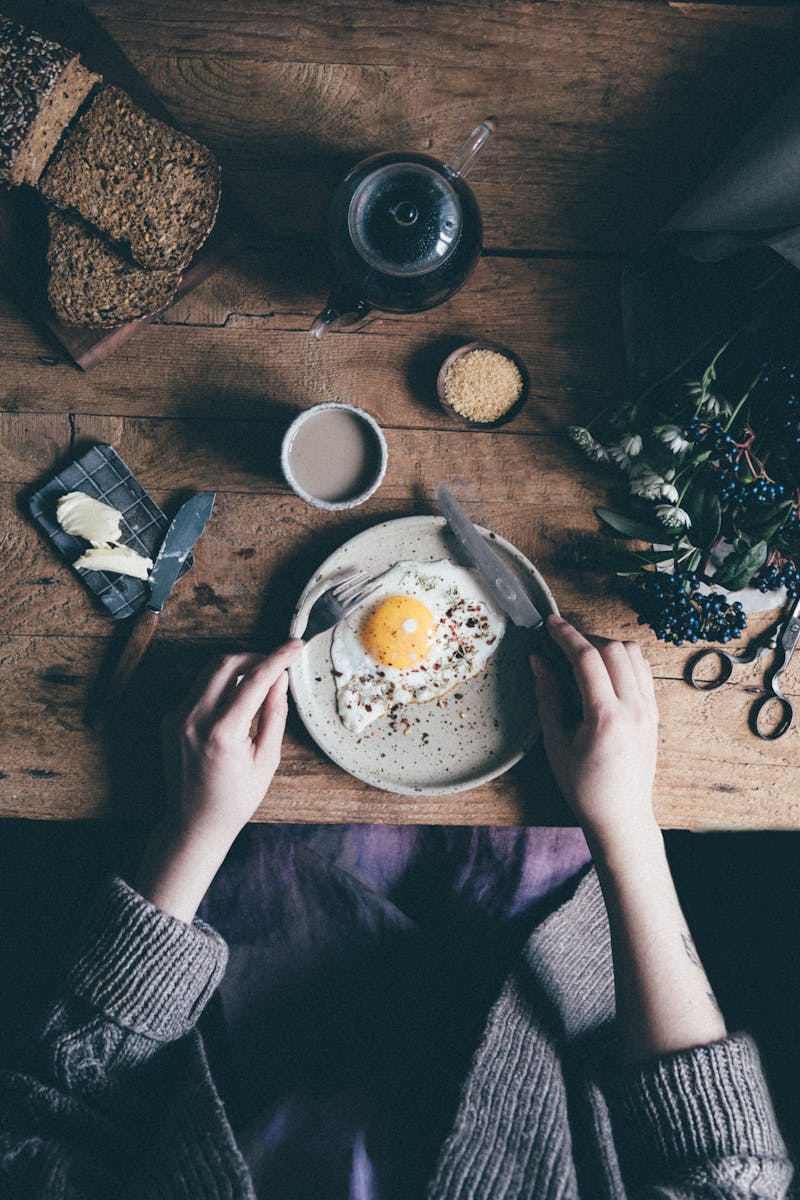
(507, 590)
(185, 528)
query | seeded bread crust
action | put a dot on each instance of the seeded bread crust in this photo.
(42, 87)
(137, 180)
(94, 284)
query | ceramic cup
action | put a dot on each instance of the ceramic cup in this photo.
(334, 456)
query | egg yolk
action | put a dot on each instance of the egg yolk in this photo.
(399, 633)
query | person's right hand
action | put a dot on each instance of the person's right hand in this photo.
(605, 763)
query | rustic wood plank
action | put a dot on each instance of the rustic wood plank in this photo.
(55, 768)
(239, 346)
(456, 32)
(259, 551)
(608, 113)
(594, 153)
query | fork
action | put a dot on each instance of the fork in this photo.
(337, 602)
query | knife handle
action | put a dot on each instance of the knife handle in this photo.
(542, 644)
(140, 637)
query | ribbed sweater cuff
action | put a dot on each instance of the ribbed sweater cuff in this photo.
(143, 968)
(704, 1103)
(570, 954)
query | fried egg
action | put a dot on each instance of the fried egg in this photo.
(428, 628)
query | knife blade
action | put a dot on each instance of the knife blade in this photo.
(507, 590)
(183, 531)
(498, 578)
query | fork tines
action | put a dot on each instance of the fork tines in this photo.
(347, 591)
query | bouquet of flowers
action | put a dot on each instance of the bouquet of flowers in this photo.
(712, 467)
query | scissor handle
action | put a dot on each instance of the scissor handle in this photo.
(782, 726)
(726, 663)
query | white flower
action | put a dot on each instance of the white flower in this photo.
(596, 452)
(631, 444)
(646, 482)
(620, 456)
(669, 492)
(591, 448)
(673, 436)
(715, 406)
(580, 436)
(671, 515)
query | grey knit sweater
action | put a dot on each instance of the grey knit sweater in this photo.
(116, 1099)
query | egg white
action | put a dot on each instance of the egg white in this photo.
(468, 630)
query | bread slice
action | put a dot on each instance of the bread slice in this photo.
(95, 284)
(137, 180)
(42, 86)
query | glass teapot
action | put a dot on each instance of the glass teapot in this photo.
(404, 232)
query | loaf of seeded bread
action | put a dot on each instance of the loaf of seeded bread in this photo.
(42, 86)
(137, 180)
(95, 284)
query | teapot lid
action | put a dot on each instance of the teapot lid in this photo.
(405, 218)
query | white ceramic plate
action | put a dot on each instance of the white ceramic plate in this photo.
(458, 752)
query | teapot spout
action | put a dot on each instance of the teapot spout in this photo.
(341, 314)
(464, 159)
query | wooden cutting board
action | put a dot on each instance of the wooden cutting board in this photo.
(23, 227)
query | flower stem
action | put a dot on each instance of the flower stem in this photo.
(743, 400)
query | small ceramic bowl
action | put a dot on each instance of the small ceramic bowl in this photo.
(375, 468)
(441, 389)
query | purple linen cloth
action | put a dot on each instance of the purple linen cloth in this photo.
(363, 961)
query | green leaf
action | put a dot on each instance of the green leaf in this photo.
(703, 506)
(740, 566)
(770, 523)
(632, 527)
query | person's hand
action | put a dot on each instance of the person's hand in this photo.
(604, 763)
(221, 750)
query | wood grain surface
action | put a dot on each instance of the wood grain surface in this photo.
(609, 113)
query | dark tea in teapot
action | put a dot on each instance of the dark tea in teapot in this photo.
(404, 232)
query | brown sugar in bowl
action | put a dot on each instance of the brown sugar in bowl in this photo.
(461, 353)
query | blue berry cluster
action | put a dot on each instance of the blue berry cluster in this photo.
(678, 612)
(735, 481)
(778, 574)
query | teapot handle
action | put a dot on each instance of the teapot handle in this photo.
(464, 158)
(338, 312)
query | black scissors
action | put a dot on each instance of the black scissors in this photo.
(780, 639)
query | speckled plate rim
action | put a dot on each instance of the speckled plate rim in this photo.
(330, 571)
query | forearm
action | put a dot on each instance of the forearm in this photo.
(179, 866)
(664, 1000)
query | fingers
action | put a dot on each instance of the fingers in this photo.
(213, 681)
(620, 669)
(549, 697)
(641, 669)
(243, 703)
(590, 670)
(272, 722)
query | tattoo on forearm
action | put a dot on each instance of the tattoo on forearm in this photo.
(714, 1001)
(691, 950)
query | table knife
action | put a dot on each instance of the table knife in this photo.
(185, 528)
(507, 590)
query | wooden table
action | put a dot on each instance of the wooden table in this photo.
(609, 113)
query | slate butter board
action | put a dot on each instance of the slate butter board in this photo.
(103, 475)
(23, 227)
